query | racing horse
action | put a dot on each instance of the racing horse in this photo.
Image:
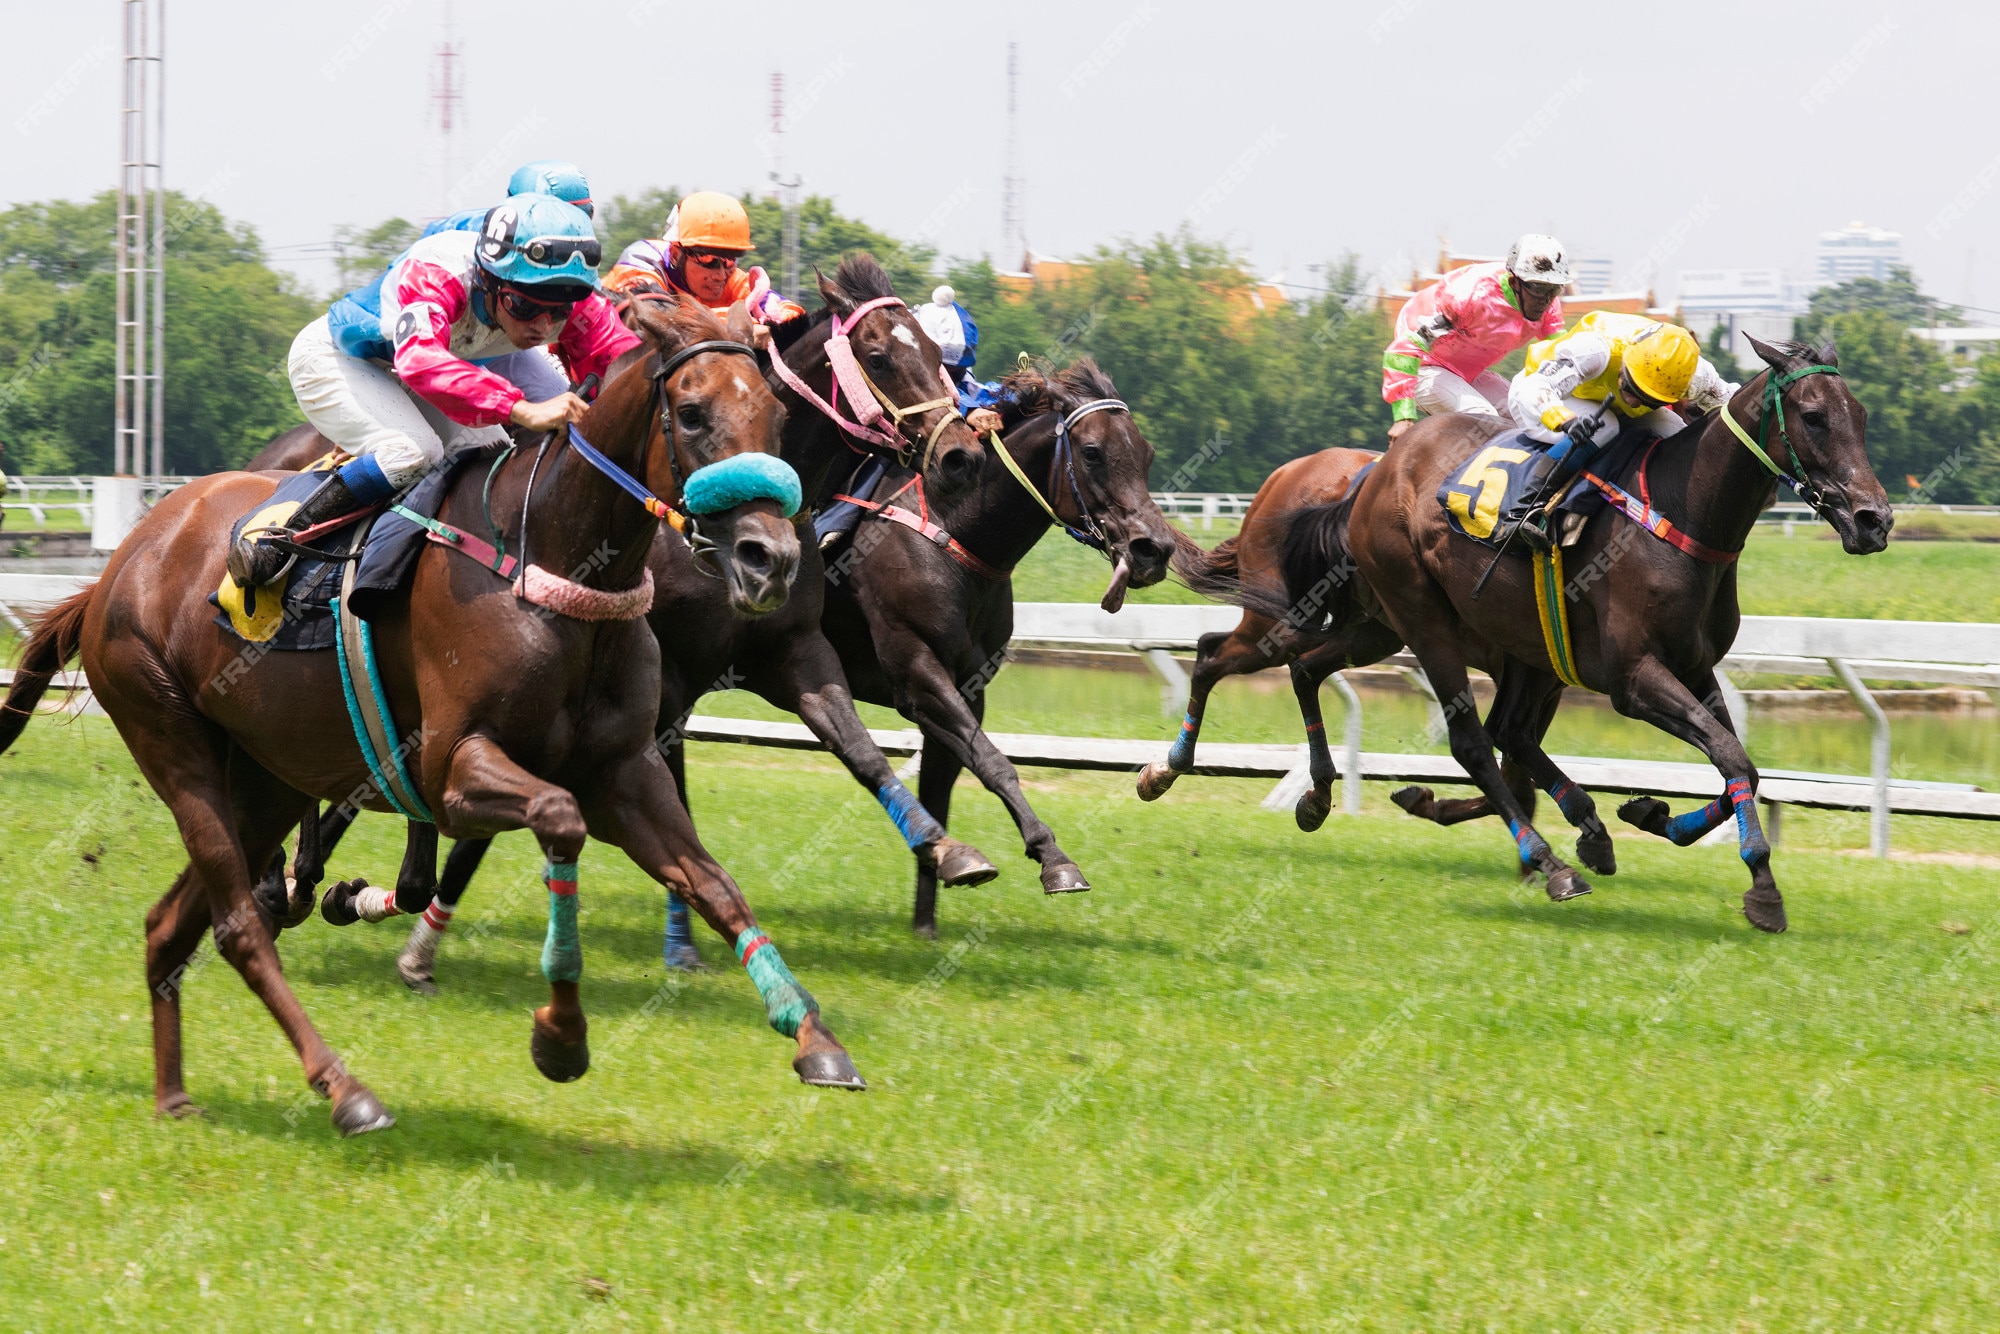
(528, 705)
(920, 605)
(1648, 633)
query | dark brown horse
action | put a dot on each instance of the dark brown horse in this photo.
(517, 717)
(1255, 556)
(1648, 632)
(923, 627)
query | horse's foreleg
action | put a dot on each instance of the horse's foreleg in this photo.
(484, 789)
(1651, 694)
(357, 900)
(1531, 698)
(677, 949)
(935, 778)
(635, 807)
(1217, 655)
(417, 963)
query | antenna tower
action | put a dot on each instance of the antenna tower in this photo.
(788, 186)
(139, 355)
(1013, 237)
(447, 109)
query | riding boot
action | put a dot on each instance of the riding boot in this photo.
(1527, 519)
(839, 519)
(254, 562)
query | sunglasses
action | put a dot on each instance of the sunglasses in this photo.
(555, 251)
(1542, 291)
(528, 309)
(708, 259)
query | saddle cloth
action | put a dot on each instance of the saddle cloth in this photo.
(1476, 494)
(295, 613)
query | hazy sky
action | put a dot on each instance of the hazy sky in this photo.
(1664, 136)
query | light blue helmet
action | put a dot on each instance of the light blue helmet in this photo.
(537, 240)
(564, 180)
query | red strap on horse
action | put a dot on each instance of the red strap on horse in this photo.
(1640, 510)
(921, 524)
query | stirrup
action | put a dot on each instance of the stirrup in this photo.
(249, 551)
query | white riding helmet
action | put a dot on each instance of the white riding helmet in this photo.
(1539, 259)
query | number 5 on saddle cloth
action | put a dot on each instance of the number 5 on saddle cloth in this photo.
(1475, 495)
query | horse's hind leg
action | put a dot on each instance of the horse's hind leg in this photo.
(174, 928)
(634, 806)
(1359, 645)
(1651, 694)
(288, 899)
(935, 780)
(677, 950)
(1531, 699)
(1217, 655)
(418, 959)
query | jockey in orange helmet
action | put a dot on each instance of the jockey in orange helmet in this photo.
(700, 254)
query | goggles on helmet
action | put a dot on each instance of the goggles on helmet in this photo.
(554, 251)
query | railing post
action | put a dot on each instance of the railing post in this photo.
(1878, 768)
(1350, 773)
(1174, 693)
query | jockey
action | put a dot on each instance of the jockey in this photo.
(1449, 335)
(950, 326)
(564, 180)
(400, 373)
(707, 235)
(1612, 372)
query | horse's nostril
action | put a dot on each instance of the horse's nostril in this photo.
(752, 554)
(1146, 549)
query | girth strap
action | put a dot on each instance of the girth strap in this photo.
(368, 704)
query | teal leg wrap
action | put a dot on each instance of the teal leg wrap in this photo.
(562, 952)
(786, 1003)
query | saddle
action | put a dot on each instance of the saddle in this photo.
(1478, 493)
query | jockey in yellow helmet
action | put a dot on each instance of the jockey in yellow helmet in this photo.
(1610, 374)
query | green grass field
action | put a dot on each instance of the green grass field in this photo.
(1358, 1080)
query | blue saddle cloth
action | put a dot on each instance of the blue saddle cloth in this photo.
(304, 620)
(1475, 495)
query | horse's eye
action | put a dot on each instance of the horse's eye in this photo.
(878, 362)
(1094, 455)
(1814, 418)
(690, 416)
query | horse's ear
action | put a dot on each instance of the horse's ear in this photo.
(1773, 358)
(1826, 352)
(741, 327)
(833, 293)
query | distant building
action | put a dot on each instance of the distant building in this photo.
(1856, 251)
(1760, 302)
(1961, 347)
(1590, 276)
(1587, 290)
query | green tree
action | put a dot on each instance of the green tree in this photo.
(1721, 356)
(1899, 298)
(366, 251)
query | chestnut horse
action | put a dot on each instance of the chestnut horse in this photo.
(516, 717)
(1648, 632)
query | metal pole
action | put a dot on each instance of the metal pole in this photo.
(1350, 776)
(1878, 767)
(159, 358)
(137, 456)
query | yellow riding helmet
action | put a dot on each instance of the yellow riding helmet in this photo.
(708, 220)
(1662, 362)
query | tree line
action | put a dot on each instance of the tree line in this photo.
(1224, 386)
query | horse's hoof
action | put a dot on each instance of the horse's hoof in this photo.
(1063, 878)
(1313, 808)
(925, 930)
(960, 864)
(336, 906)
(829, 1069)
(1566, 884)
(1766, 914)
(1154, 780)
(416, 975)
(178, 1107)
(298, 903)
(1647, 813)
(683, 959)
(1595, 851)
(1416, 800)
(272, 906)
(358, 1111)
(559, 1061)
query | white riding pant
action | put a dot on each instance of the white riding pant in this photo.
(362, 407)
(1438, 390)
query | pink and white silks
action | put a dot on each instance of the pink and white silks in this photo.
(1461, 326)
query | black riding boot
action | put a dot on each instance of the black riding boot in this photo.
(254, 562)
(1527, 519)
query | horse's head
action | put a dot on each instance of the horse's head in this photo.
(1809, 416)
(1102, 472)
(715, 449)
(899, 369)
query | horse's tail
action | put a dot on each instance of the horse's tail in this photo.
(1213, 574)
(1319, 568)
(53, 642)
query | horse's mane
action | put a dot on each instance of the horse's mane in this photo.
(1036, 389)
(677, 320)
(859, 279)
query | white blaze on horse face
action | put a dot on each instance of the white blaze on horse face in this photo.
(742, 389)
(902, 332)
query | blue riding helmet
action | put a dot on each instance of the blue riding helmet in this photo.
(564, 180)
(534, 240)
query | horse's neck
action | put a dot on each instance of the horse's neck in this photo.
(1716, 490)
(999, 521)
(581, 525)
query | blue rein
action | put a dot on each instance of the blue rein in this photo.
(721, 485)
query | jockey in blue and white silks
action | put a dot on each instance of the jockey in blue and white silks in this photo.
(564, 180)
(950, 326)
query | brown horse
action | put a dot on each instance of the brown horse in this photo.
(922, 626)
(1648, 632)
(515, 716)
(1255, 556)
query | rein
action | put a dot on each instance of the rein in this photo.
(1773, 409)
(1064, 459)
(866, 397)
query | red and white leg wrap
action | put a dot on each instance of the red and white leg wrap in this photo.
(372, 903)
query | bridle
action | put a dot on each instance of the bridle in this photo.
(867, 400)
(1773, 410)
(1064, 461)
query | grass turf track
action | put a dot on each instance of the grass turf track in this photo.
(1257, 1080)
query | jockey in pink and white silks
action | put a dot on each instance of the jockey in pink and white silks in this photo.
(1450, 335)
(409, 369)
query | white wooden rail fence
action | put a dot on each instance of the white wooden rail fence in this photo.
(1846, 650)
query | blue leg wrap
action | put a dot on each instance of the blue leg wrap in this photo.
(679, 935)
(786, 1003)
(1572, 801)
(1527, 842)
(1180, 755)
(1750, 844)
(917, 825)
(1685, 829)
(365, 478)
